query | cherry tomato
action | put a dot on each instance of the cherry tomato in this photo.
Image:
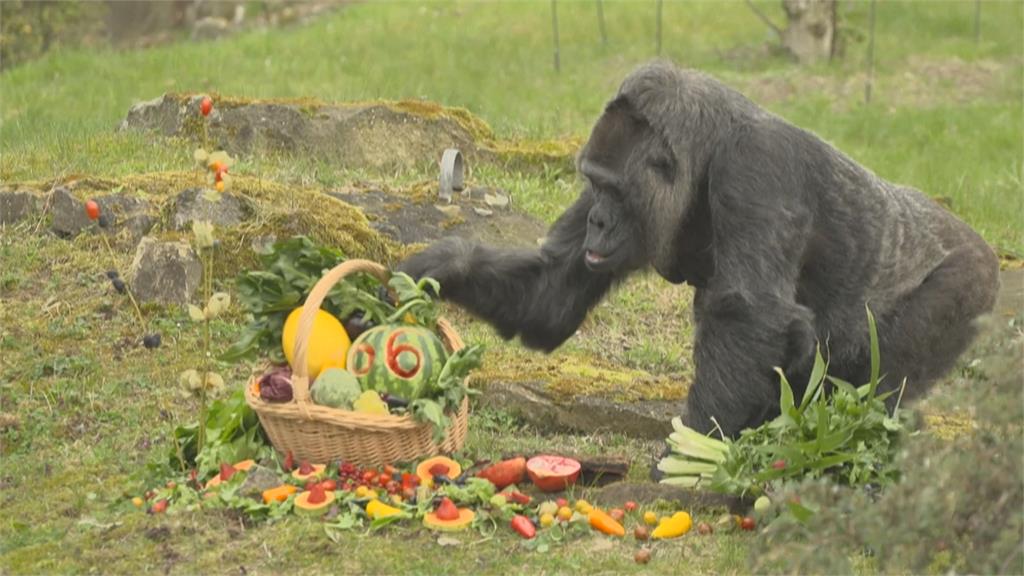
(206, 106)
(390, 470)
(630, 506)
(747, 523)
(642, 556)
(159, 507)
(704, 528)
(329, 484)
(383, 479)
(562, 502)
(92, 210)
(617, 514)
(368, 476)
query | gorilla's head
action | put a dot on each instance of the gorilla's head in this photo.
(645, 165)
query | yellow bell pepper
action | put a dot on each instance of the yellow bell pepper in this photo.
(679, 524)
(377, 509)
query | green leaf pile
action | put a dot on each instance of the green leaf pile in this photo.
(844, 433)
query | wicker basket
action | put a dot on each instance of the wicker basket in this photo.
(323, 434)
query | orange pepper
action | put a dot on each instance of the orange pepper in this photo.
(279, 494)
(602, 522)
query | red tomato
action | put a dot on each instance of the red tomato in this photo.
(383, 479)
(368, 476)
(562, 502)
(92, 210)
(617, 514)
(630, 506)
(206, 106)
(389, 469)
(329, 484)
(747, 523)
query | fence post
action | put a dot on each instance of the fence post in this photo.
(658, 24)
(871, 55)
(554, 27)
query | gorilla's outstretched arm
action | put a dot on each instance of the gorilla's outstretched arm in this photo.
(540, 295)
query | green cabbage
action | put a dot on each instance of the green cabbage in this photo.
(337, 388)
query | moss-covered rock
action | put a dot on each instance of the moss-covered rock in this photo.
(271, 210)
(373, 135)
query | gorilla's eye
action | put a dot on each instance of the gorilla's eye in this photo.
(664, 166)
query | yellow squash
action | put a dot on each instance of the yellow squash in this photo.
(328, 342)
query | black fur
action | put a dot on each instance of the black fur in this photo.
(784, 238)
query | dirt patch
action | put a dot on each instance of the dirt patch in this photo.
(927, 82)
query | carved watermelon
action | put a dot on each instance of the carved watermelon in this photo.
(398, 359)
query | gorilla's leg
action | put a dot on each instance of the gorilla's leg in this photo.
(931, 326)
(740, 339)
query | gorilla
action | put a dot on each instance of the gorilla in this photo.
(784, 239)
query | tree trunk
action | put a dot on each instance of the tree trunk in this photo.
(810, 33)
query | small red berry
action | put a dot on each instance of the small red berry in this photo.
(206, 106)
(779, 464)
(747, 523)
(630, 506)
(92, 210)
(562, 502)
(329, 484)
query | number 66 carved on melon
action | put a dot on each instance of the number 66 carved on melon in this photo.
(397, 350)
(398, 359)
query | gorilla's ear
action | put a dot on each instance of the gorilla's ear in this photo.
(617, 133)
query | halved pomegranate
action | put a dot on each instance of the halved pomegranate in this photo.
(552, 473)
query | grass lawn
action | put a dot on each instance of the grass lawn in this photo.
(92, 410)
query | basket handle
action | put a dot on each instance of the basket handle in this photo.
(300, 371)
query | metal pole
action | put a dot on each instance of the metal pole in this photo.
(658, 22)
(600, 23)
(977, 21)
(554, 27)
(871, 55)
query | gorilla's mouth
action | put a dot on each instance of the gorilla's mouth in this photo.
(596, 262)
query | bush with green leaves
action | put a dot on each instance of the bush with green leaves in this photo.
(957, 507)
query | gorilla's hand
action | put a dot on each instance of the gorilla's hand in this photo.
(447, 261)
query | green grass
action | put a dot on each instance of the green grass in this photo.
(57, 113)
(93, 409)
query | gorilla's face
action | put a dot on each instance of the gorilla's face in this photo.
(613, 241)
(629, 173)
